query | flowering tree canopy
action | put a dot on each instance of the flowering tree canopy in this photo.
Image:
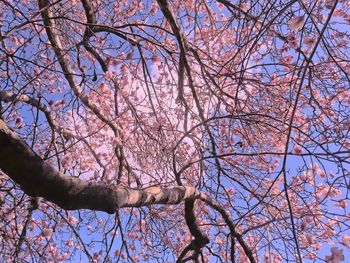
(207, 130)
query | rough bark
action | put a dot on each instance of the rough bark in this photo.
(38, 179)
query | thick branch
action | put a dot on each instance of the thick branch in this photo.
(200, 240)
(37, 178)
(163, 4)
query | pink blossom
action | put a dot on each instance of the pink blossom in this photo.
(343, 203)
(309, 41)
(311, 255)
(298, 149)
(72, 220)
(109, 75)
(46, 232)
(314, 167)
(132, 235)
(19, 123)
(321, 172)
(337, 256)
(329, 4)
(219, 5)
(70, 242)
(167, 240)
(66, 162)
(296, 22)
(244, 6)
(155, 59)
(346, 240)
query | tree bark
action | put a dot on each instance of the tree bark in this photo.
(38, 179)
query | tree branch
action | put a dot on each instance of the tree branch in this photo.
(164, 7)
(231, 226)
(64, 62)
(38, 179)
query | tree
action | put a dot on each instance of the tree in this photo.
(207, 130)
